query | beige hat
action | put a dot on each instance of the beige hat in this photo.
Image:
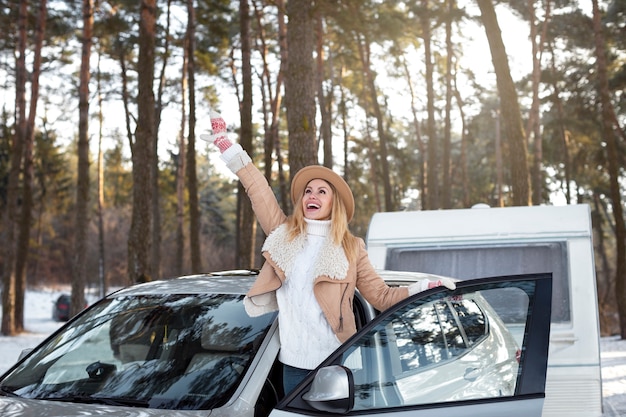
(311, 172)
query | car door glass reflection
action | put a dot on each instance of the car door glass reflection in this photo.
(456, 348)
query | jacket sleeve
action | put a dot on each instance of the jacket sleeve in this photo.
(373, 287)
(264, 202)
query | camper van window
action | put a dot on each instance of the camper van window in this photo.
(464, 262)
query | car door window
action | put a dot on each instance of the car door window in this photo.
(450, 347)
(423, 356)
(426, 336)
(472, 319)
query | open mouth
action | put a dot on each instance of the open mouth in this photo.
(313, 206)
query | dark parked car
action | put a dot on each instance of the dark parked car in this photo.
(61, 308)
(186, 347)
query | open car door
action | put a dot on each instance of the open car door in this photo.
(480, 350)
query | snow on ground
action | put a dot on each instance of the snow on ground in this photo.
(39, 324)
(613, 358)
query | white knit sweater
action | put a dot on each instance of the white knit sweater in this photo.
(305, 335)
(306, 338)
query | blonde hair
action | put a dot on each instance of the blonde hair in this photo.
(339, 232)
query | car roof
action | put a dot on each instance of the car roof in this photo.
(406, 277)
(224, 282)
(239, 282)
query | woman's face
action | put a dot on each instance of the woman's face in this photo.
(317, 201)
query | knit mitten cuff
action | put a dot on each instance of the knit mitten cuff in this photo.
(235, 158)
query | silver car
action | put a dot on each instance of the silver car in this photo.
(186, 347)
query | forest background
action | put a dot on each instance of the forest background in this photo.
(104, 183)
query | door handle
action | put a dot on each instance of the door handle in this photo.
(471, 374)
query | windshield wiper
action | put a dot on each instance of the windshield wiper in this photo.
(7, 391)
(129, 402)
(87, 399)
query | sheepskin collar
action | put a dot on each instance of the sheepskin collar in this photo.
(331, 262)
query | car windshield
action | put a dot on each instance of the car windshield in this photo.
(157, 351)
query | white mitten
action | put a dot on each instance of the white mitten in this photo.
(426, 284)
(446, 282)
(219, 136)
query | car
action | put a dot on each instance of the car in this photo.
(61, 308)
(186, 347)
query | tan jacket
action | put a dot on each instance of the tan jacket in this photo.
(336, 278)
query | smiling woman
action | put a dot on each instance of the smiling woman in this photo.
(314, 264)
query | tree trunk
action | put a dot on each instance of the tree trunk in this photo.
(344, 128)
(79, 270)
(271, 101)
(180, 170)
(247, 222)
(324, 101)
(102, 277)
(139, 239)
(613, 167)
(192, 179)
(421, 170)
(533, 126)
(155, 256)
(364, 53)
(282, 41)
(499, 164)
(463, 160)
(558, 103)
(11, 214)
(300, 85)
(511, 115)
(373, 174)
(25, 225)
(446, 189)
(432, 178)
(604, 275)
(125, 96)
(268, 100)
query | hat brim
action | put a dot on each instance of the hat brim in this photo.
(311, 172)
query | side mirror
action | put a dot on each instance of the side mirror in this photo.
(332, 390)
(24, 353)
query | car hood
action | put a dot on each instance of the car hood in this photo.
(22, 407)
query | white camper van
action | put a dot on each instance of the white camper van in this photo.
(483, 242)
